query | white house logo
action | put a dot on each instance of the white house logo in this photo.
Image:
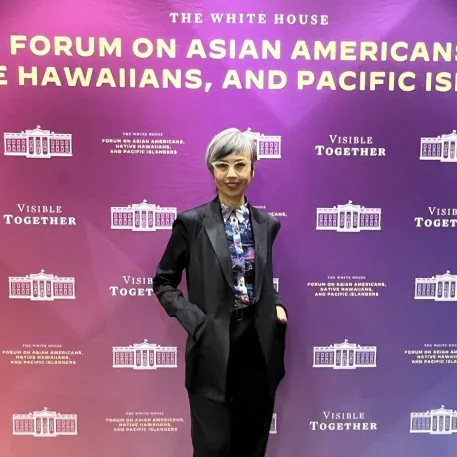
(437, 288)
(344, 356)
(268, 146)
(348, 218)
(273, 425)
(442, 148)
(350, 146)
(45, 424)
(41, 287)
(143, 217)
(440, 421)
(145, 356)
(38, 144)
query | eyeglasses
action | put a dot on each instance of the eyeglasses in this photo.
(241, 167)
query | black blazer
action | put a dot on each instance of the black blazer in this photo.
(198, 244)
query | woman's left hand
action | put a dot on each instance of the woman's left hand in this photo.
(281, 314)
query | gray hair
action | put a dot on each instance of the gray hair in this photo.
(231, 141)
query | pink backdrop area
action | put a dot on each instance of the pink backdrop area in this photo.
(63, 391)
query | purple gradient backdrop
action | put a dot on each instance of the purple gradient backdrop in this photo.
(88, 184)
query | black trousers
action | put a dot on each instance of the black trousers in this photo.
(238, 427)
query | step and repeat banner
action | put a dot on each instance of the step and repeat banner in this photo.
(106, 111)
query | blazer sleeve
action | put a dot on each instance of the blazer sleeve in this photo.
(168, 277)
(277, 297)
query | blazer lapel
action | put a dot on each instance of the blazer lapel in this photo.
(214, 226)
(259, 228)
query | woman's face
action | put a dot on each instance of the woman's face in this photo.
(232, 175)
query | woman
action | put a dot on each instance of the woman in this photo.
(235, 320)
